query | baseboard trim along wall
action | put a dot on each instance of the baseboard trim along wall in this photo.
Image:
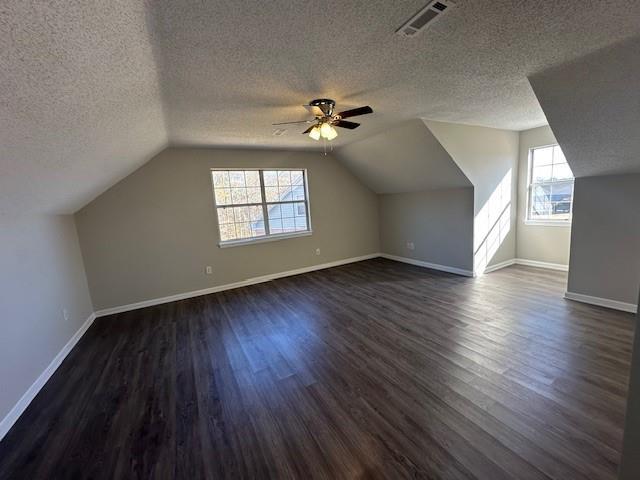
(22, 404)
(498, 266)
(602, 302)
(230, 286)
(535, 263)
(434, 266)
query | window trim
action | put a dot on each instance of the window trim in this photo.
(542, 222)
(268, 237)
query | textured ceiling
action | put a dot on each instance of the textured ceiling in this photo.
(80, 104)
(231, 68)
(593, 108)
(406, 158)
(89, 89)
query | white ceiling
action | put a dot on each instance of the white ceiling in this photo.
(89, 89)
(231, 68)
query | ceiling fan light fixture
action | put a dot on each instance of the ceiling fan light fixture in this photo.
(325, 130)
(315, 133)
(332, 133)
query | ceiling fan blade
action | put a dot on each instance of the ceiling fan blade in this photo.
(308, 129)
(289, 123)
(345, 124)
(356, 111)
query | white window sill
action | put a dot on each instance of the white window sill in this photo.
(548, 223)
(269, 238)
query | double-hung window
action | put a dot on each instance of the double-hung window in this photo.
(259, 204)
(550, 188)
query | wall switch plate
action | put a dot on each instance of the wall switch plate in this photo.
(65, 314)
(208, 270)
(411, 246)
(317, 251)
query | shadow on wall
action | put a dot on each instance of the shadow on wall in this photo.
(492, 224)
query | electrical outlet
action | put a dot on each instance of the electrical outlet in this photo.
(208, 270)
(411, 246)
(65, 314)
(317, 251)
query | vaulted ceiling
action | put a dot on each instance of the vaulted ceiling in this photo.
(90, 90)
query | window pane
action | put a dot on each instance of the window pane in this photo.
(227, 232)
(298, 193)
(287, 210)
(252, 178)
(541, 209)
(225, 215)
(558, 155)
(542, 193)
(275, 226)
(254, 195)
(561, 192)
(255, 213)
(236, 178)
(241, 214)
(239, 195)
(284, 177)
(289, 224)
(300, 209)
(270, 178)
(542, 174)
(271, 193)
(542, 156)
(301, 223)
(274, 211)
(285, 194)
(220, 179)
(297, 177)
(562, 171)
(223, 196)
(243, 230)
(257, 228)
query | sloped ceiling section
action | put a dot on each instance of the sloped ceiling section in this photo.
(80, 103)
(593, 107)
(406, 158)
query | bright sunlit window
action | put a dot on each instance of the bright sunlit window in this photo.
(257, 205)
(550, 198)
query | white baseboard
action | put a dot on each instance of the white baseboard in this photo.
(434, 266)
(230, 286)
(498, 266)
(22, 404)
(602, 302)
(536, 263)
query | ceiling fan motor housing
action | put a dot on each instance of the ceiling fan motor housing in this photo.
(325, 104)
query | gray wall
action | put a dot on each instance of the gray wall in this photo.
(549, 244)
(41, 274)
(438, 222)
(489, 158)
(605, 238)
(152, 234)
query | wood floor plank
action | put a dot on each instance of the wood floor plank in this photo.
(370, 370)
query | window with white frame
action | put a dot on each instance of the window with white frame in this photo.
(258, 204)
(550, 194)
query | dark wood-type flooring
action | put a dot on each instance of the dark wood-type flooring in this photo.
(369, 370)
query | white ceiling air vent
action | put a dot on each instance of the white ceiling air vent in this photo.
(429, 14)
